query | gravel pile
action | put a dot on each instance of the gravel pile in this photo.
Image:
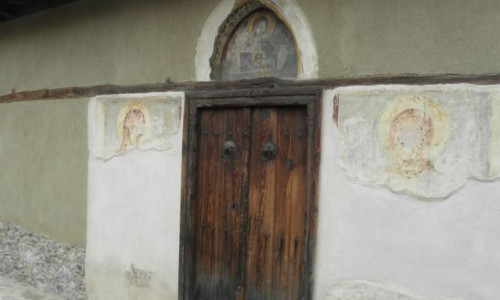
(43, 263)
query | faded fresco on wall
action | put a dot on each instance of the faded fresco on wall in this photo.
(423, 141)
(412, 131)
(262, 46)
(127, 122)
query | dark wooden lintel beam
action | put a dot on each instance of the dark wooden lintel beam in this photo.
(267, 83)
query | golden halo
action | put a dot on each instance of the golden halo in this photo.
(271, 22)
(427, 107)
(123, 113)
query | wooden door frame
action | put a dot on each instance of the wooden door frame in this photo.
(310, 98)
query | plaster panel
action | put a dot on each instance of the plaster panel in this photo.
(125, 123)
(441, 249)
(424, 141)
(133, 212)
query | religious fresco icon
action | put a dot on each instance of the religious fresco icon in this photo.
(128, 122)
(132, 125)
(424, 141)
(262, 46)
(413, 131)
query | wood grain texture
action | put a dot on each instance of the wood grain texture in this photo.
(261, 225)
(277, 206)
(260, 83)
(218, 202)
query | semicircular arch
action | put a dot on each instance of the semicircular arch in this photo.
(297, 57)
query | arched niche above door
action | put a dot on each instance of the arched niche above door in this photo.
(254, 42)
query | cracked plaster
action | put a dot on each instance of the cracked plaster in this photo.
(128, 122)
(424, 141)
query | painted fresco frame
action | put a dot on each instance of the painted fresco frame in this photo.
(232, 23)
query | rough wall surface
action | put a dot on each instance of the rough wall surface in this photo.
(131, 42)
(41, 262)
(43, 177)
(14, 290)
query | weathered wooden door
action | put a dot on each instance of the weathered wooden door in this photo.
(250, 219)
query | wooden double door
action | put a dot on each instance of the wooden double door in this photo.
(250, 218)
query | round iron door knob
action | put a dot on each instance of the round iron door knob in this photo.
(269, 151)
(228, 149)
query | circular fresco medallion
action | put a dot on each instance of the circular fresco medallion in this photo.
(413, 131)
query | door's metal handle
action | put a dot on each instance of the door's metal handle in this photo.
(228, 149)
(269, 151)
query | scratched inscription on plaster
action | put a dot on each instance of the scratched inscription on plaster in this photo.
(126, 123)
(138, 277)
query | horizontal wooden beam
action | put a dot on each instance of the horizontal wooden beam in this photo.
(267, 83)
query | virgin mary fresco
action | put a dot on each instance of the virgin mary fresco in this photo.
(261, 47)
(132, 126)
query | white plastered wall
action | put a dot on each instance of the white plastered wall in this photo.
(371, 243)
(288, 9)
(133, 218)
(376, 244)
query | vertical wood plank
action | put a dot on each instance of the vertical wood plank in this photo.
(291, 199)
(259, 258)
(277, 204)
(217, 219)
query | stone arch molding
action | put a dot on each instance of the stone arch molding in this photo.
(286, 9)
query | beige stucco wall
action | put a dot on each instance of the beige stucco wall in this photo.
(131, 42)
(43, 163)
(364, 37)
(96, 42)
